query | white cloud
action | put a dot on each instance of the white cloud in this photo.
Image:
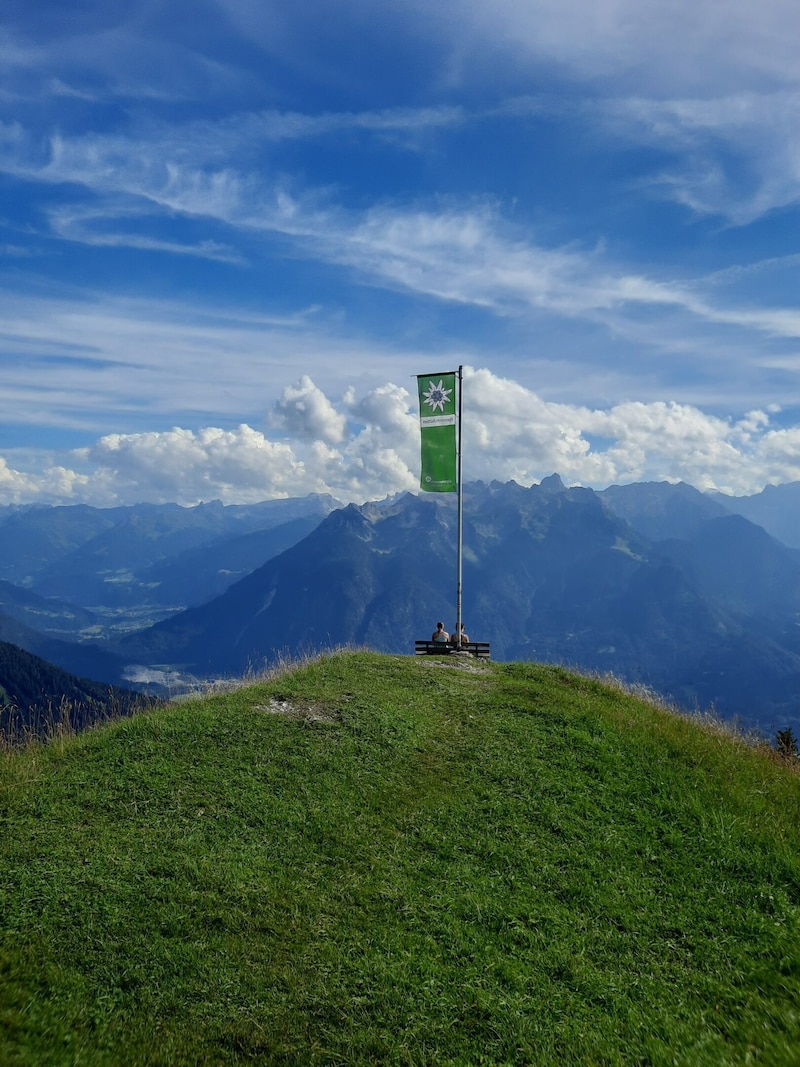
(779, 450)
(473, 257)
(88, 362)
(455, 252)
(133, 52)
(738, 155)
(626, 442)
(713, 87)
(654, 43)
(91, 226)
(660, 44)
(97, 365)
(304, 411)
(274, 125)
(659, 48)
(386, 407)
(186, 466)
(509, 432)
(45, 484)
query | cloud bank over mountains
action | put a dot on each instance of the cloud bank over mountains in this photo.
(364, 445)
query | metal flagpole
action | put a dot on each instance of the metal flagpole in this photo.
(460, 517)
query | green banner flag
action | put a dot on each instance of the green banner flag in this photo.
(437, 420)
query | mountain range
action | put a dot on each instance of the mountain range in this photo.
(659, 584)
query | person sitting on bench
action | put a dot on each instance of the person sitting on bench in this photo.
(454, 637)
(440, 634)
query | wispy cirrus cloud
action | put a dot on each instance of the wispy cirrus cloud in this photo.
(293, 125)
(658, 45)
(472, 257)
(736, 156)
(117, 52)
(98, 227)
(466, 254)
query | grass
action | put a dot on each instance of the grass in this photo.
(382, 859)
(23, 727)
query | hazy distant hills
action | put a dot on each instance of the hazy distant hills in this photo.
(657, 583)
(75, 574)
(138, 563)
(776, 508)
(89, 659)
(662, 510)
(47, 614)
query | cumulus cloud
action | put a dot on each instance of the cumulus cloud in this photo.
(524, 437)
(627, 442)
(305, 412)
(44, 483)
(368, 448)
(189, 467)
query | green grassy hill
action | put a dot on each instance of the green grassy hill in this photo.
(377, 859)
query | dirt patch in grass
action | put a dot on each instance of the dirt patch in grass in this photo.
(461, 663)
(306, 712)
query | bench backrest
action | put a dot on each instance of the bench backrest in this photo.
(432, 648)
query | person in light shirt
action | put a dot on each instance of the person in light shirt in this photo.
(440, 634)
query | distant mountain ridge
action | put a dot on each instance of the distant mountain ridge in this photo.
(72, 575)
(140, 563)
(776, 508)
(653, 506)
(662, 510)
(657, 583)
(550, 574)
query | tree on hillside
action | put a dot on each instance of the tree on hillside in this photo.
(786, 744)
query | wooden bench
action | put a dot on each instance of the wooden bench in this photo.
(480, 649)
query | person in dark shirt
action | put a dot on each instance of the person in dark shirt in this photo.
(454, 637)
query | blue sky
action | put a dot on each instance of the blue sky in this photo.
(232, 231)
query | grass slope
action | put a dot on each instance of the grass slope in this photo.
(377, 859)
(38, 699)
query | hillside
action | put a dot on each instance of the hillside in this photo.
(377, 859)
(47, 615)
(85, 659)
(36, 697)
